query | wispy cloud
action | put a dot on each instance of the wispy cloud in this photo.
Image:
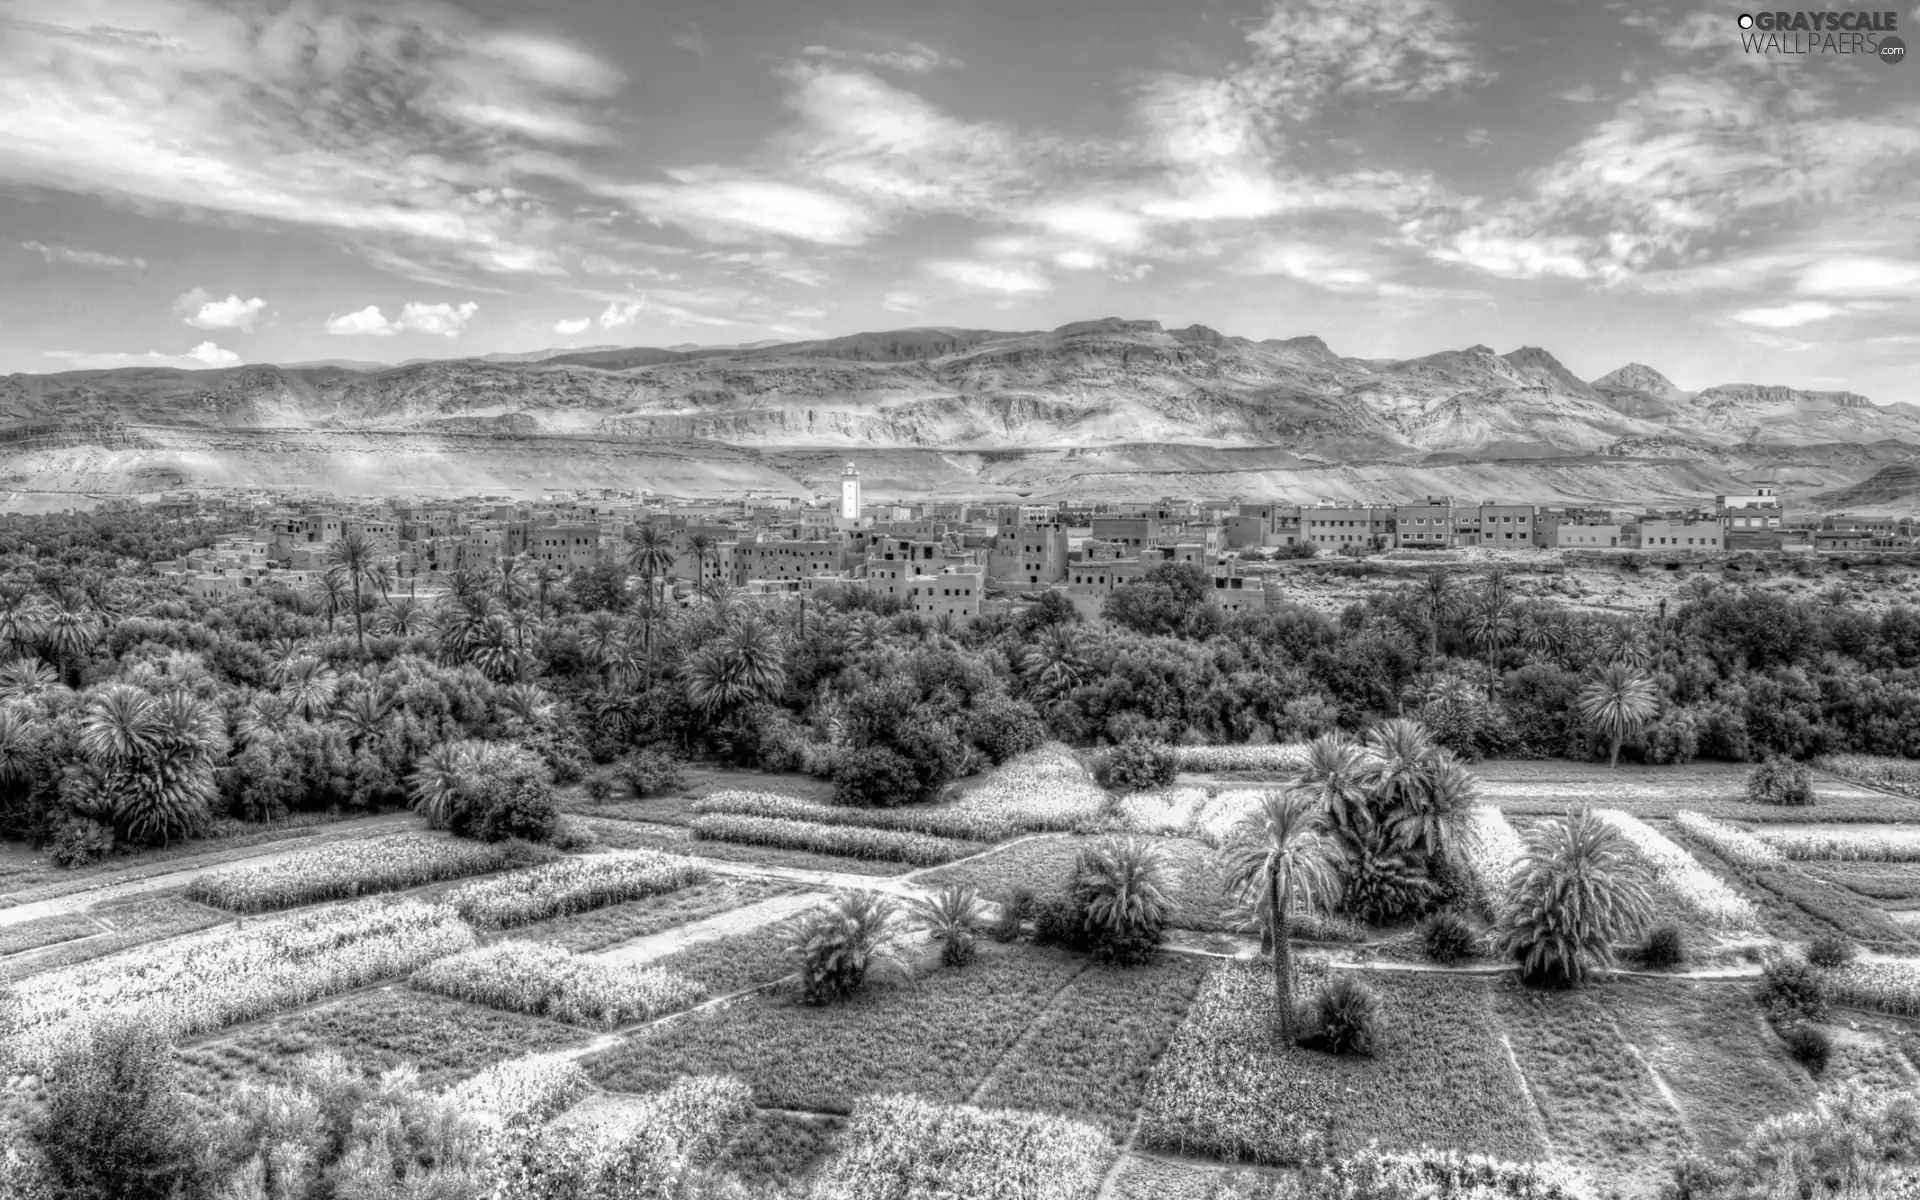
(204, 356)
(1786, 316)
(55, 253)
(444, 320)
(893, 53)
(571, 327)
(989, 277)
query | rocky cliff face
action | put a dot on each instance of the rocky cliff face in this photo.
(1093, 384)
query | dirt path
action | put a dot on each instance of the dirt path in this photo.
(161, 877)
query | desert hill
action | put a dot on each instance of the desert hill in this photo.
(1512, 424)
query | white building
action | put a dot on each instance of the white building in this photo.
(850, 494)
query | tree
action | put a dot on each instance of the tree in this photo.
(743, 665)
(70, 627)
(1279, 860)
(839, 943)
(309, 686)
(1163, 601)
(650, 554)
(1490, 621)
(700, 544)
(951, 917)
(1334, 777)
(148, 762)
(1438, 596)
(1120, 889)
(1618, 703)
(1576, 892)
(404, 616)
(114, 1127)
(352, 557)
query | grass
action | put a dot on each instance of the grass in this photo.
(1224, 1088)
(936, 1036)
(1090, 1054)
(376, 1029)
(1603, 1111)
(637, 835)
(1716, 790)
(603, 927)
(1797, 904)
(1044, 863)
(918, 849)
(1726, 1072)
(1873, 880)
(779, 1150)
(731, 964)
(46, 931)
(136, 921)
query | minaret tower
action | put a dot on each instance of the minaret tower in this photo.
(850, 494)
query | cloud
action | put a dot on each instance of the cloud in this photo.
(1310, 51)
(1861, 276)
(204, 312)
(403, 127)
(205, 356)
(620, 313)
(571, 327)
(989, 277)
(1786, 316)
(1583, 94)
(903, 301)
(693, 40)
(719, 206)
(446, 320)
(899, 55)
(55, 253)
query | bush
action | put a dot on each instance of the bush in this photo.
(874, 777)
(1447, 938)
(1345, 1015)
(1830, 950)
(1664, 947)
(1004, 728)
(1384, 886)
(1780, 781)
(113, 1128)
(79, 841)
(517, 807)
(1139, 765)
(1810, 1045)
(599, 789)
(839, 943)
(571, 837)
(1791, 991)
(1120, 899)
(1016, 905)
(1056, 922)
(649, 772)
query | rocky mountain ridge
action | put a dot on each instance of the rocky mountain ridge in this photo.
(1105, 383)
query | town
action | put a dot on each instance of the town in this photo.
(954, 559)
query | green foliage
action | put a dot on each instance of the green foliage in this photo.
(1831, 950)
(1855, 1142)
(598, 789)
(1016, 907)
(1780, 781)
(1386, 885)
(78, 841)
(1446, 937)
(1345, 1015)
(952, 918)
(650, 771)
(114, 1127)
(1005, 728)
(1120, 892)
(1664, 947)
(1138, 765)
(885, 845)
(1576, 892)
(875, 777)
(839, 943)
(1810, 1045)
(1791, 991)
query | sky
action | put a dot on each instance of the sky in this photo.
(198, 183)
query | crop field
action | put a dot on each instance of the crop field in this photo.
(1713, 789)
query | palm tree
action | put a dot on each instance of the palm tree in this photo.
(700, 543)
(1402, 760)
(1618, 703)
(25, 678)
(70, 627)
(491, 646)
(435, 785)
(150, 761)
(745, 665)
(1055, 662)
(1333, 778)
(541, 581)
(1432, 820)
(20, 619)
(119, 726)
(332, 587)
(19, 750)
(363, 717)
(951, 917)
(525, 704)
(839, 943)
(1490, 622)
(309, 687)
(266, 715)
(650, 554)
(1123, 893)
(1279, 860)
(1576, 892)
(403, 616)
(1438, 596)
(602, 639)
(353, 558)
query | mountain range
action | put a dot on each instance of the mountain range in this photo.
(1113, 408)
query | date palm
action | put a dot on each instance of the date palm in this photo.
(1432, 821)
(352, 558)
(151, 761)
(743, 665)
(21, 615)
(1577, 891)
(700, 544)
(1121, 886)
(1334, 780)
(841, 942)
(309, 687)
(69, 629)
(25, 678)
(1439, 597)
(434, 786)
(363, 717)
(403, 617)
(1618, 703)
(1490, 623)
(951, 916)
(492, 647)
(267, 715)
(1055, 662)
(602, 640)
(1280, 861)
(525, 704)
(650, 555)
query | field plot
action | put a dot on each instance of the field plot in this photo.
(675, 839)
(1091, 1052)
(1723, 1067)
(603, 927)
(899, 1145)
(573, 885)
(1713, 789)
(548, 981)
(375, 1030)
(779, 1149)
(127, 923)
(935, 1036)
(1226, 1090)
(1603, 1109)
(357, 869)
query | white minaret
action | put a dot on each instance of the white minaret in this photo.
(850, 494)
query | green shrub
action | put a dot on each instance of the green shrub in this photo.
(1138, 765)
(1120, 897)
(1810, 1045)
(839, 943)
(649, 771)
(1780, 781)
(1345, 1016)
(1016, 906)
(951, 917)
(599, 789)
(1664, 947)
(1447, 938)
(1384, 886)
(1830, 950)
(1004, 728)
(874, 777)
(1791, 991)
(514, 804)
(1056, 922)
(80, 841)
(572, 837)
(113, 1127)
